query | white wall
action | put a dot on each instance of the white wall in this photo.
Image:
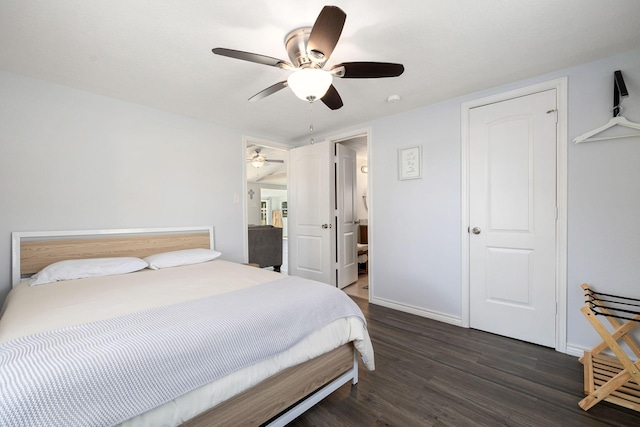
(415, 225)
(253, 203)
(604, 191)
(74, 160)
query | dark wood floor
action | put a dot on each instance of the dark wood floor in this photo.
(430, 373)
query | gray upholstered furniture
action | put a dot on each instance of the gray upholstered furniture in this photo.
(265, 246)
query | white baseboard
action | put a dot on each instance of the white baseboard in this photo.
(571, 350)
(574, 350)
(418, 311)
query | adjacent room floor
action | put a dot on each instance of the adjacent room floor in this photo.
(359, 289)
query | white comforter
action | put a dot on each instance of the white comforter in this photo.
(31, 310)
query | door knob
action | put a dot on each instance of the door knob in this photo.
(326, 225)
(476, 230)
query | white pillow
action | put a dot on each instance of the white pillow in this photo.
(183, 257)
(81, 268)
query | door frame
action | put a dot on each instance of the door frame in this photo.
(263, 143)
(560, 85)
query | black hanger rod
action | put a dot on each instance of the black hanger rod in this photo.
(619, 91)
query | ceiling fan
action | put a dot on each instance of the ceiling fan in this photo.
(257, 160)
(309, 49)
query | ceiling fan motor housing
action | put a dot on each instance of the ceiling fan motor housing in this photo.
(296, 44)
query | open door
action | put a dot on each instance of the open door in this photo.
(323, 233)
(346, 216)
(311, 212)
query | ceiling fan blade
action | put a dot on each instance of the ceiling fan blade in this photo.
(253, 57)
(332, 98)
(269, 91)
(325, 33)
(274, 161)
(367, 70)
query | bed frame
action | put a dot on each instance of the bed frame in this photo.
(31, 251)
(276, 401)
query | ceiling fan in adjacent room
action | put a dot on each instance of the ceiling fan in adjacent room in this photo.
(257, 160)
(309, 49)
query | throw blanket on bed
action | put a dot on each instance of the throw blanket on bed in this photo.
(103, 373)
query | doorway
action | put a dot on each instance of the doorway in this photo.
(360, 144)
(266, 184)
(499, 269)
(323, 222)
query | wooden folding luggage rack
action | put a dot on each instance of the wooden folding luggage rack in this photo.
(614, 379)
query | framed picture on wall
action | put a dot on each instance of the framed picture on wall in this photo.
(410, 163)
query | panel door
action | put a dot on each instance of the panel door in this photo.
(512, 184)
(346, 216)
(311, 212)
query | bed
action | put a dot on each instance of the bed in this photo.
(228, 371)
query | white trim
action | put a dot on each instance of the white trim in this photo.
(418, 311)
(562, 220)
(561, 199)
(265, 143)
(350, 134)
(18, 236)
(576, 351)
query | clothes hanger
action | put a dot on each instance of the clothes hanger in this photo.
(619, 91)
(616, 121)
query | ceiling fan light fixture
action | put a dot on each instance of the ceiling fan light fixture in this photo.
(257, 161)
(310, 84)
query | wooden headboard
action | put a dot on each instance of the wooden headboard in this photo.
(31, 251)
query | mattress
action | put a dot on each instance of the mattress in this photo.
(33, 309)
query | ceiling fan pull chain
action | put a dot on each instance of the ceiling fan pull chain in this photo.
(311, 123)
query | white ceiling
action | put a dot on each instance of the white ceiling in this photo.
(158, 53)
